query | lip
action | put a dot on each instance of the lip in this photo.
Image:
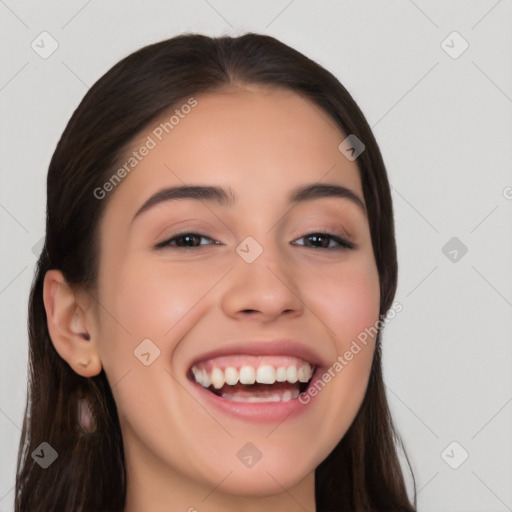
(258, 412)
(276, 347)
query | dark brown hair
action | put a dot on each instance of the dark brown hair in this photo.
(363, 472)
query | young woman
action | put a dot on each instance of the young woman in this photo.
(206, 315)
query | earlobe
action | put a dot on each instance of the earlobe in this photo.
(70, 325)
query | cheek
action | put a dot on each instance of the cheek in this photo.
(153, 301)
(161, 302)
(348, 303)
(346, 298)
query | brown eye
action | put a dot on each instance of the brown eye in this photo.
(323, 241)
(186, 240)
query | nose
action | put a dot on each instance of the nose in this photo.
(263, 289)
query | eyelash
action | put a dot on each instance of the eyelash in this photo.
(343, 243)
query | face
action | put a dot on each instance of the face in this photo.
(251, 283)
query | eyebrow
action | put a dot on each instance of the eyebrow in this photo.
(213, 194)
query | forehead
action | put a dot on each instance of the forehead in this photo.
(260, 142)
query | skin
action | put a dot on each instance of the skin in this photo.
(261, 143)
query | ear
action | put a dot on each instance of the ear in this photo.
(70, 322)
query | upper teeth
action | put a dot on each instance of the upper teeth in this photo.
(264, 374)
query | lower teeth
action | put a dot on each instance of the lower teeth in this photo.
(283, 396)
(278, 392)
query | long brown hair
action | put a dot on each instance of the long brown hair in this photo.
(363, 472)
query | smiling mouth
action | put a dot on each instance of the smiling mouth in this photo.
(245, 378)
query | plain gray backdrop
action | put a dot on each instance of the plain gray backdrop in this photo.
(434, 81)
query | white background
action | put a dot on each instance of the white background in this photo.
(444, 126)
